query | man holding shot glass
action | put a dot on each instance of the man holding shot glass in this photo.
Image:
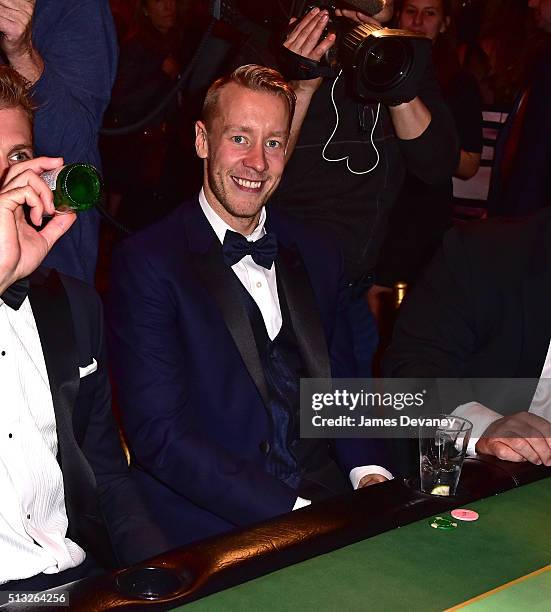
(485, 322)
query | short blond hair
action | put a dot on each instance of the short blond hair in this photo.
(255, 78)
(14, 92)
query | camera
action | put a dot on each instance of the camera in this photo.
(381, 64)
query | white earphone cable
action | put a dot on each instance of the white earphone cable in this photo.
(347, 158)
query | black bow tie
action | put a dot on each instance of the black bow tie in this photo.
(15, 294)
(236, 246)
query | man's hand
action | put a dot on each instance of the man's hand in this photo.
(16, 41)
(305, 39)
(520, 437)
(22, 248)
(371, 479)
(15, 25)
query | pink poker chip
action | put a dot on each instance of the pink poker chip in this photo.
(462, 514)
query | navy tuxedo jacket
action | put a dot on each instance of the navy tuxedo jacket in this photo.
(188, 373)
(107, 517)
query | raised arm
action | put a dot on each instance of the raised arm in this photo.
(306, 40)
(68, 52)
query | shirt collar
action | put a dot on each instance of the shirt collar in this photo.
(3, 304)
(220, 226)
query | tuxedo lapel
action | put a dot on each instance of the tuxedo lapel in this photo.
(293, 278)
(224, 287)
(53, 318)
(54, 321)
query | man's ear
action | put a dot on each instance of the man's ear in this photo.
(445, 25)
(201, 141)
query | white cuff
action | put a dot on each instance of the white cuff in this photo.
(481, 417)
(359, 472)
(301, 503)
(541, 402)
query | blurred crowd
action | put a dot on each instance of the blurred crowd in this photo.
(484, 53)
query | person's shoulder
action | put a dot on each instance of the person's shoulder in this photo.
(77, 289)
(82, 297)
(163, 236)
(308, 235)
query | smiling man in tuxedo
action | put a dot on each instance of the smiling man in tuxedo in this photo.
(68, 507)
(215, 314)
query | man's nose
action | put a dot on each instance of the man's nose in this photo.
(418, 19)
(256, 158)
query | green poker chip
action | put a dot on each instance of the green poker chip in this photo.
(445, 524)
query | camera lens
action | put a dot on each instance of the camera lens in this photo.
(385, 62)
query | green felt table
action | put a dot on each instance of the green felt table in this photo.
(531, 592)
(414, 567)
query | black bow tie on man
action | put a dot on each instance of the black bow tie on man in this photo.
(16, 293)
(236, 246)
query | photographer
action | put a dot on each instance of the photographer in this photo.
(423, 212)
(349, 182)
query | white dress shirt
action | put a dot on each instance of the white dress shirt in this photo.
(482, 417)
(259, 282)
(262, 286)
(33, 518)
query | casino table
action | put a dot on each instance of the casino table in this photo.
(414, 567)
(371, 549)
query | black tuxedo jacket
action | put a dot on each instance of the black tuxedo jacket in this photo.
(482, 309)
(106, 515)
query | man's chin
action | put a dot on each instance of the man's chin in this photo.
(246, 209)
(248, 200)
